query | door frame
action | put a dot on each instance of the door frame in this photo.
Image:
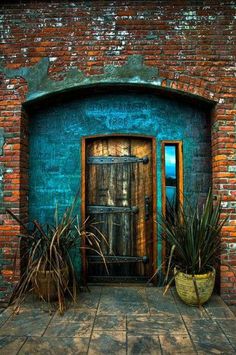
(154, 187)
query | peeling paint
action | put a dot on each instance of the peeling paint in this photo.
(134, 71)
(39, 84)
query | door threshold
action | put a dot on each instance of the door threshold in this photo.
(120, 284)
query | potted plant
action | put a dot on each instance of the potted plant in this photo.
(193, 236)
(49, 267)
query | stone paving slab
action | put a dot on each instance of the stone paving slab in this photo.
(110, 323)
(233, 309)
(176, 344)
(10, 344)
(87, 299)
(207, 337)
(129, 294)
(28, 323)
(108, 342)
(165, 309)
(86, 302)
(155, 325)
(53, 346)
(220, 313)
(75, 315)
(188, 313)
(120, 320)
(229, 328)
(215, 301)
(232, 340)
(5, 315)
(143, 344)
(193, 313)
(123, 308)
(69, 329)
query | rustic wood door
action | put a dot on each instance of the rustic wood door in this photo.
(119, 204)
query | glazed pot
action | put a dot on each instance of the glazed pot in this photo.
(194, 290)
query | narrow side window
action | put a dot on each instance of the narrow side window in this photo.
(172, 174)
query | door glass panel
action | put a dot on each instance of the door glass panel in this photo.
(171, 174)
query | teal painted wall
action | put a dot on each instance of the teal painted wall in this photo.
(55, 141)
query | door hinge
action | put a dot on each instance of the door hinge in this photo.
(96, 259)
(111, 209)
(116, 160)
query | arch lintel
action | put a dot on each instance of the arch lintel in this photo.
(132, 73)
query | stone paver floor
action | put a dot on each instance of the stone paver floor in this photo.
(120, 320)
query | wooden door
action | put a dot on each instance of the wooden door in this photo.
(119, 204)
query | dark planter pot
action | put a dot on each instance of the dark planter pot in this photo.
(45, 284)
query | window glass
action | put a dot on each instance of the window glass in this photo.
(171, 173)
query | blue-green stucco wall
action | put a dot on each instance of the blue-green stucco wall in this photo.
(55, 142)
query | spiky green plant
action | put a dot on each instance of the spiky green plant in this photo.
(47, 248)
(193, 234)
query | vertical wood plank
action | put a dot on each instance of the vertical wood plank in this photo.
(142, 188)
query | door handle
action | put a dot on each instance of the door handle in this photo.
(147, 208)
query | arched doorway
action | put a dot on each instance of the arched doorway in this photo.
(57, 141)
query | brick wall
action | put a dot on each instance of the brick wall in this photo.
(190, 45)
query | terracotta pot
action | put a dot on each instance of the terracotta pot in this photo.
(186, 289)
(45, 284)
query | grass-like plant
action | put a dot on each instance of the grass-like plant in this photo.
(193, 234)
(47, 248)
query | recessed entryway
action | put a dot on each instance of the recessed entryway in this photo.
(138, 120)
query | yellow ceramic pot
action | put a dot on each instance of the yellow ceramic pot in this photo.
(187, 290)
